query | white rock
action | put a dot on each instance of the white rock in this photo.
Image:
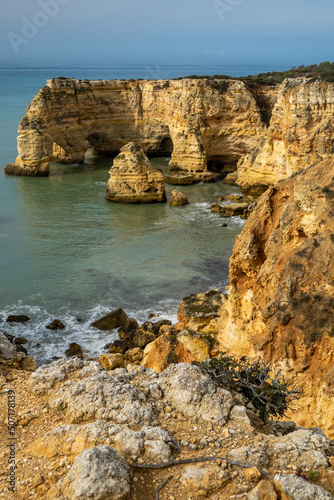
(296, 488)
(191, 392)
(97, 474)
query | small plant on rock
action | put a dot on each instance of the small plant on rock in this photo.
(270, 395)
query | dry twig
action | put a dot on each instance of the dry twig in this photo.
(203, 459)
(160, 487)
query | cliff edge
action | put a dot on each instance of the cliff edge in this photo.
(281, 296)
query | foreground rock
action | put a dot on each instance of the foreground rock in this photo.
(84, 429)
(178, 198)
(133, 179)
(282, 294)
(97, 474)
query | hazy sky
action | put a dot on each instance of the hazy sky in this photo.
(285, 32)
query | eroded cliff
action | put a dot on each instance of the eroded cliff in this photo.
(281, 299)
(198, 122)
(301, 133)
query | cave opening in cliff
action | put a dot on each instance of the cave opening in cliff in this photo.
(222, 165)
(162, 149)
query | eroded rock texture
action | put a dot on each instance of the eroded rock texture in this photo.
(282, 288)
(301, 133)
(198, 122)
(133, 179)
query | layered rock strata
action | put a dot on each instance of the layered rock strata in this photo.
(198, 122)
(301, 133)
(133, 179)
(281, 296)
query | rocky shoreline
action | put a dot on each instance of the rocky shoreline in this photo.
(94, 428)
(85, 431)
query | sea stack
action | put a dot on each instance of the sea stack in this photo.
(133, 179)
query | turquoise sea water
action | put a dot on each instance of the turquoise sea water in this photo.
(67, 253)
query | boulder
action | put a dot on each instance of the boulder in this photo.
(56, 324)
(134, 355)
(199, 312)
(234, 197)
(110, 361)
(133, 179)
(111, 320)
(215, 207)
(28, 363)
(20, 340)
(118, 346)
(135, 336)
(7, 349)
(180, 179)
(178, 198)
(97, 474)
(293, 487)
(231, 179)
(234, 209)
(21, 318)
(74, 349)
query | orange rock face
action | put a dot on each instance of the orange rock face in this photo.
(193, 121)
(281, 299)
(301, 133)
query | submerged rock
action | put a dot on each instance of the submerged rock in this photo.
(21, 318)
(56, 325)
(133, 179)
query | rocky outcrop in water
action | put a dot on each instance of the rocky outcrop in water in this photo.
(133, 179)
(198, 122)
(178, 199)
(301, 133)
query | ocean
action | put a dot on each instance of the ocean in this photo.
(68, 253)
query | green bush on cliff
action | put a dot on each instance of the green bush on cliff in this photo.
(270, 395)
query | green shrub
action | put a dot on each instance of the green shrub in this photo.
(271, 396)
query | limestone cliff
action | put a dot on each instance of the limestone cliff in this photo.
(281, 298)
(198, 122)
(133, 179)
(301, 133)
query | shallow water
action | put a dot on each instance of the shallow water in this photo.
(66, 252)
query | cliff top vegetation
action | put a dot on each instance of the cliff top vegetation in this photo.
(324, 71)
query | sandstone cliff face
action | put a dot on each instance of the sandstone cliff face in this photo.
(133, 179)
(301, 133)
(196, 121)
(281, 298)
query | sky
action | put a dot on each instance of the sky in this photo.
(162, 32)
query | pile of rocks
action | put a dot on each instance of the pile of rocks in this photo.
(113, 422)
(14, 355)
